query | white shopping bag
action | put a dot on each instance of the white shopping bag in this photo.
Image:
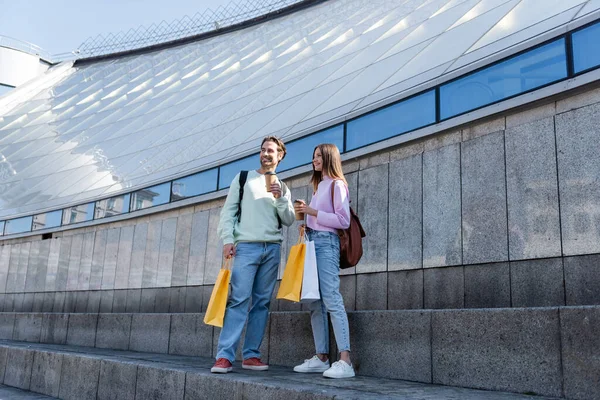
(310, 279)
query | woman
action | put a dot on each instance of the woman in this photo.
(324, 218)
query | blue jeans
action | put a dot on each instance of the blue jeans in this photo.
(327, 247)
(253, 276)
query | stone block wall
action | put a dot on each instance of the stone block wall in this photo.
(498, 213)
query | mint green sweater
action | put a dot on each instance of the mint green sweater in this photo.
(259, 212)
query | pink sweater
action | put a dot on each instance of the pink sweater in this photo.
(330, 219)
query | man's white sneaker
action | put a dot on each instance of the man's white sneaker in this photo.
(339, 369)
(312, 365)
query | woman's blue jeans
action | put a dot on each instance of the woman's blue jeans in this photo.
(327, 248)
(253, 277)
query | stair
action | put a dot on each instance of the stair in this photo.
(73, 372)
(548, 351)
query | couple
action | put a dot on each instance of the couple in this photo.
(253, 236)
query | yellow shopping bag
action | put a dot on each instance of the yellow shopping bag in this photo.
(291, 283)
(218, 299)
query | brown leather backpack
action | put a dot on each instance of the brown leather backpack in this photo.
(350, 239)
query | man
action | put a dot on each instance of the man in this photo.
(254, 239)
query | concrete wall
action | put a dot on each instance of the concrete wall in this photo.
(501, 213)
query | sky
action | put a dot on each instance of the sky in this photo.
(60, 26)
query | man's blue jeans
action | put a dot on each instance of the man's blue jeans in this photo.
(253, 276)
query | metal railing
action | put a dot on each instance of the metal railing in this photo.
(209, 20)
(26, 47)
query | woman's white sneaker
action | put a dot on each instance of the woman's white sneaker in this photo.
(312, 365)
(339, 369)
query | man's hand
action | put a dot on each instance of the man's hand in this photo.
(229, 250)
(276, 190)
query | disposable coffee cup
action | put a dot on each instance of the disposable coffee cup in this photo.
(270, 178)
(299, 215)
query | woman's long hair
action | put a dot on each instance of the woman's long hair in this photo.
(332, 165)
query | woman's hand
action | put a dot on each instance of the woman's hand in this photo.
(303, 208)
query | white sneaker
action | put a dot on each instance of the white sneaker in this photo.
(312, 365)
(339, 369)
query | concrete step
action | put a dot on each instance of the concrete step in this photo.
(553, 351)
(10, 393)
(72, 372)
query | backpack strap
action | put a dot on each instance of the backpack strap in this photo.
(242, 182)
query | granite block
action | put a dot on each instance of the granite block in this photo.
(348, 291)
(110, 259)
(59, 302)
(198, 243)
(54, 328)
(580, 351)
(163, 300)
(38, 302)
(9, 302)
(289, 328)
(94, 298)
(444, 287)
(484, 220)
(190, 336)
(405, 214)
(106, 301)
(181, 255)
(582, 280)
(208, 387)
(117, 380)
(70, 302)
(148, 300)
(138, 251)
(405, 338)
(214, 249)
(79, 377)
(516, 350)
(124, 260)
(3, 359)
(372, 210)
(48, 304)
(537, 283)
(442, 237)
(193, 299)
(177, 299)
(487, 285)
(74, 260)
(532, 191)
(52, 267)
(371, 291)
(98, 254)
(42, 266)
(24, 302)
(578, 175)
(63, 263)
(31, 269)
(165, 257)
(7, 325)
(113, 331)
(119, 301)
(82, 329)
(19, 363)
(133, 300)
(28, 327)
(159, 383)
(150, 268)
(85, 265)
(150, 333)
(405, 290)
(45, 374)
(24, 262)
(81, 301)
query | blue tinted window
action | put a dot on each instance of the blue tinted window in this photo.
(113, 206)
(150, 197)
(48, 220)
(300, 152)
(194, 185)
(391, 121)
(80, 213)
(18, 225)
(229, 171)
(522, 73)
(586, 53)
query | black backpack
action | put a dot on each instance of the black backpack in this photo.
(242, 181)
